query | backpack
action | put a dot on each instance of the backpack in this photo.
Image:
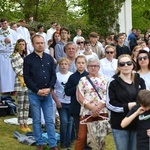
(9, 102)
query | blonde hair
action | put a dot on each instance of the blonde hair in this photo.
(118, 72)
(135, 48)
(64, 59)
(80, 56)
(110, 46)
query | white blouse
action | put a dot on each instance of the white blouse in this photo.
(146, 78)
(108, 68)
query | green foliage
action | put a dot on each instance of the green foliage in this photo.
(10, 10)
(102, 15)
(141, 14)
(42, 10)
(8, 142)
(98, 15)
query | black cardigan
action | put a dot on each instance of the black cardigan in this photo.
(70, 90)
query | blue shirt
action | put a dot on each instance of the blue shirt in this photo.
(39, 72)
(131, 36)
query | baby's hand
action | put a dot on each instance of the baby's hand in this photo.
(148, 132)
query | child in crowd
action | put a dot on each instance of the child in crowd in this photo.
(70, 89)
(88, 53)
(63, 103)
(141, 114)
(120, 47)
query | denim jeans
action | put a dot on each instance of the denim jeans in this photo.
(124, 139)
(44, 102)
(66, 123)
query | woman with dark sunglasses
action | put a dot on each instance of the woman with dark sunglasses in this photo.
(108, 63)
(143, 67)
(80, 46)
(122, 91)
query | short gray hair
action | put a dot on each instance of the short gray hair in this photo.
(93, 59)
(69, 43)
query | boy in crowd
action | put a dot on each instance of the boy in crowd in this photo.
(141, 114)
(120, 47)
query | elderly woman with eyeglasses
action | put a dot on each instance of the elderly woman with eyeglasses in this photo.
(91, 103)
(109, 63)
(121, 96)
(143, 67)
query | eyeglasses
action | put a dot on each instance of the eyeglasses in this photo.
(93, 66)
(108, 52)
(144, 58)
(121, 64)
(80, 42)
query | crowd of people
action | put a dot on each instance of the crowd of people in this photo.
(79, 78)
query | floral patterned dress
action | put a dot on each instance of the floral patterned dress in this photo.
(90, 95)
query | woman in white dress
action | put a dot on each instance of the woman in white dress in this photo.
(143, 67)
(108, 65)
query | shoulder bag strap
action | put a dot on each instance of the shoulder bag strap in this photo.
(94, 87)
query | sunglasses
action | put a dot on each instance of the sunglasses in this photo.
(144, 58)
(122, 64)
(108, 52)
(80, 42)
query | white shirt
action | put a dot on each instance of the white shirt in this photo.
(79, 52)
(91, 56)
(12, 35)
(24, 32)
(146, 78)
(43, 34)
(108, 68)
(101, 46)
(59, 87)
(50, 33)
(146, 49)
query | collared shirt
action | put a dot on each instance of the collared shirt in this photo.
(130, 36)
(122, 50)
(39, 72)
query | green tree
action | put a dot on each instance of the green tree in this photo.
(101, 15)
(42, 10)
(10, 10)
(141, 14)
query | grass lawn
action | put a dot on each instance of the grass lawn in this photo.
(8, 142)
